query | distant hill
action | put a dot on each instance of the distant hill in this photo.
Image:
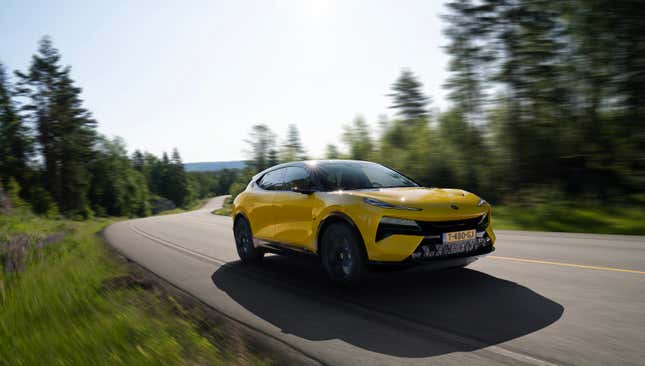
(213, 166)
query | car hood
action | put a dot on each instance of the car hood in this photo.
(430, 200)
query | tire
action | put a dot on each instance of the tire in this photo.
(248, 253)
(342, 254)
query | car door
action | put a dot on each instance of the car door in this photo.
(295, 226)
(262, 211)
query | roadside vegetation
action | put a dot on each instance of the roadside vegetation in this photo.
(546, 118)
(193, 206)
(51, 150)
(66, 299)
(571, 217)
(225, 210)
(568, 122)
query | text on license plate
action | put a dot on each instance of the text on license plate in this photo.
(456, 236)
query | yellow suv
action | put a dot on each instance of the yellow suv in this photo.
(356, 213)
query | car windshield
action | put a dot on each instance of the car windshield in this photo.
(360, 175)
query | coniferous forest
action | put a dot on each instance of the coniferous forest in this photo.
(53, 158)
(547, 100)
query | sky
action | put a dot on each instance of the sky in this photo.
(197, 75)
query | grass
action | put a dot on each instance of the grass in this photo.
(70, 301)
(571, 217)
(225, 210)
(193, 206)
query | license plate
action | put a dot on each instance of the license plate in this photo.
(457, 236)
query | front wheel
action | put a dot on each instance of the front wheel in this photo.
(342, 254)
(244, 242)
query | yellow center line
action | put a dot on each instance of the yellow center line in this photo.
(566, 264)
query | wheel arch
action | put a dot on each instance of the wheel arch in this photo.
(335, 217)
(241, 216)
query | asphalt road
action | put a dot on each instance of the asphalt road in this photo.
(542, 298)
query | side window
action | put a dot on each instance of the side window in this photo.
(297, 177)
(273, 181)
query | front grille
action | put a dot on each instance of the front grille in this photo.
(432, 228)
(440, 227)
(432, 248)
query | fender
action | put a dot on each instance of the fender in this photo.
(334, 216)
(237, 213)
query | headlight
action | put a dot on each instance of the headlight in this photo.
(483, 223)
(400, 222)
(481, 202)
(392, 225)
(381, 204)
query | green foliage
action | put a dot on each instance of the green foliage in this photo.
(65, 130)
(262, 149)
(167, 178)
(357, 137)
(160, 204)
(555, 83)
(226, 209)
(544, 94)
(291, 149)
(42, 203)
(408, 98)
(237, 188)
(241, 182)
(78, 172)
(117, 189)
(208, 184)
(74, 304)
(16, 146)
(175, 184)
(331, 152)
(12, 190)
(564, 216)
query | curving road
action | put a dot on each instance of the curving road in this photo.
(543, 298)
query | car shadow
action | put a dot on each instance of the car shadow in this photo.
(294, 295)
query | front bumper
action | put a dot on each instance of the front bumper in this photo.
(395, 244)
(437, 263)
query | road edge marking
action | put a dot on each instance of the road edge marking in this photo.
(564, 264)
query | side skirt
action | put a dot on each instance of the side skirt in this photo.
(281, 248)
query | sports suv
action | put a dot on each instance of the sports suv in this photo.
(356, 213)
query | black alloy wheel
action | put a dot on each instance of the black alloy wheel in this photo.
(244, 242)
(342, 254)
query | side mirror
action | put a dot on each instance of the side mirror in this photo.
(303, 190)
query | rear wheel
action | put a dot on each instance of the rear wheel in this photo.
(342, 254)
(244, 242)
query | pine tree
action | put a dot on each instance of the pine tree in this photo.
(15, 142)
(262, 151)
(272, 158)
(116, 188)
(358, 139)
(292, 149)
(468, 60)
(408, 98)
(138, 161)
(331, 152)
(65, 129)
(514, 46)
(178, 185)
(176, 158)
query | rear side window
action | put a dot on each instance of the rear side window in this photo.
(297, 178)
(273, 181)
